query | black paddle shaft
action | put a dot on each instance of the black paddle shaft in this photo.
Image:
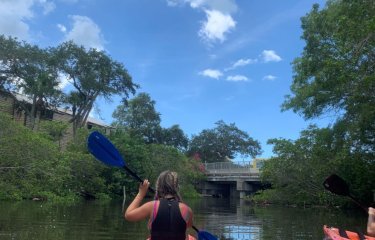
(135, 176)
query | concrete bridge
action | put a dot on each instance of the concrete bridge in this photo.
(228, 179)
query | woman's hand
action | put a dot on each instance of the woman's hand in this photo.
(371, 222)
(143, 188)
(135, 212)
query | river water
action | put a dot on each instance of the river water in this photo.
(225, 218)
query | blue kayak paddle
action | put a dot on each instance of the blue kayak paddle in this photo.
(103, 150)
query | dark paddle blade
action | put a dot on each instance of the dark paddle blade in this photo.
(104, 150)
(337, 185)
(203, 235)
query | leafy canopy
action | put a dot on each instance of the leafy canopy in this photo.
(223, 142)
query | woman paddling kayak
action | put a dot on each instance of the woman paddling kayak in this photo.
(168, 216)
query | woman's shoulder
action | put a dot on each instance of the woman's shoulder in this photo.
(184, 206)
(149, 204)
(186, 213)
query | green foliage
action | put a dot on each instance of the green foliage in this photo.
(301, 166)
(223, 142)
(94, 74)
(334, 75)
(139, 118)
(175, 137)
(32, 165)
(29, 163)
(188, 191)
(78, 144)
(30, 69)
(269, 196)
(148, 161)
(55, 130)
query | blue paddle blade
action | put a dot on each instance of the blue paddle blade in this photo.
(104, 150)
(203, 235)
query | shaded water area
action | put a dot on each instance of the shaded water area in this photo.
(227, 219)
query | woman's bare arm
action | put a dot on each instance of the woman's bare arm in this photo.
(135, 212)
(371, 222)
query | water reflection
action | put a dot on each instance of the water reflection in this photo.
(242, 232)
(225, 218)
(228, 218)
(237, 219)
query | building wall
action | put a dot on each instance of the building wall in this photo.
(258, 162)
(63, 117)
(8, 105)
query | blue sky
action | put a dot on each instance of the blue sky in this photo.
(201, 60)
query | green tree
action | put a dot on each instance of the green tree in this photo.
(93, 74)
(8, 55)
(28, 69)
(336, 73)
(223, 142)
(139, 117)
(300, 166)
(175, 136)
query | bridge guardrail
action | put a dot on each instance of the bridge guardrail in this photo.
(231, 169)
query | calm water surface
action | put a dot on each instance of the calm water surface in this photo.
(227, 219)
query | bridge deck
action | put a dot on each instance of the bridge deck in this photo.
(229, 171)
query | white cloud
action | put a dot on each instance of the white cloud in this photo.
(172, 3)
(244, 62)
(13, 17)
(269, 77)
(47, 6)
(216, 26)
(15, 14)
(196, 3)
(225, 6)
(218, 17)
(270, 56)
(212, 73)
(241, 62)
(85, 32)
(62, 28)
(237, 78)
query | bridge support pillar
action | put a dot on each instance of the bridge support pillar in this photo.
(242, 187)
(242, 195)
